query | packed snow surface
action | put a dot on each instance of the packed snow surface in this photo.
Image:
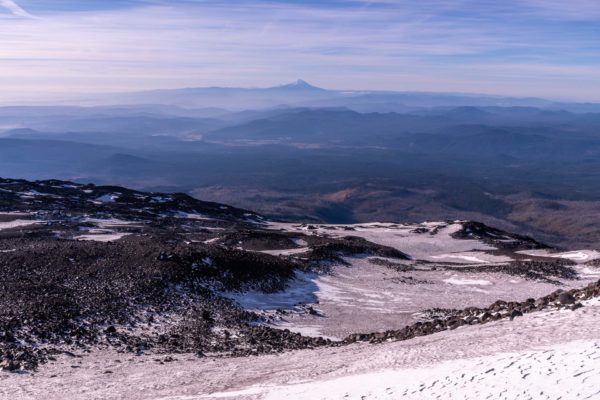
(435, 240)
(572, 367)
(476, 282)
(543, 355)
(579, 256)
(365, 297)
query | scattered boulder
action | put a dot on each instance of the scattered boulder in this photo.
(566, 298)
(515, 313)
(576, 306)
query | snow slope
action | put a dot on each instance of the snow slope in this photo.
(364, 297)
(554, 352)
(572, 367)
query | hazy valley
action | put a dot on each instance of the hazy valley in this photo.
(523, 164)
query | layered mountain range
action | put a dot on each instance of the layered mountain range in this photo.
(525, 165)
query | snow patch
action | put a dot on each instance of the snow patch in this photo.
(196, 216)
(33, 193)
(110, 222)
(579, 256)
(18, 223)
(286, 252)
(589, 271)
(469, 282)
(103, 237)
(160, 199)
(301, 290)
(408, 238)
(473, 257)
(108, 198)
(300, 242)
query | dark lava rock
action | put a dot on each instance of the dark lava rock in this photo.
(576, 306)
(566, 298)
(332, 249)
(515, 313)
(61, 294)
(496, 237)
(543, 271)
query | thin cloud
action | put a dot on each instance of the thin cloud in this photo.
(15, 9)
(578, 10)
(463, 46)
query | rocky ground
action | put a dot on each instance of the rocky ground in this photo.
(88, 270)
(102, 267)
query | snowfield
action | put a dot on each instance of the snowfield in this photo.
(571, 367)
(544, 355)
(364, 297)
(435, 245)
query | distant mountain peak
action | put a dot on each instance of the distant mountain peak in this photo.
(299, 84)
(302, 83)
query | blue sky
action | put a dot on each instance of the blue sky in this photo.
(545, 48)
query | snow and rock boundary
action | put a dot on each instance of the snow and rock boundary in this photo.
(153, 276)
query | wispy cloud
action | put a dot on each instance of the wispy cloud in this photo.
(520, 48)
(14, 8)
(578, 10)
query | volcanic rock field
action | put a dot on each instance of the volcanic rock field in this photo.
(95, 272)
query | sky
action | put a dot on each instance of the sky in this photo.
(59, 48)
